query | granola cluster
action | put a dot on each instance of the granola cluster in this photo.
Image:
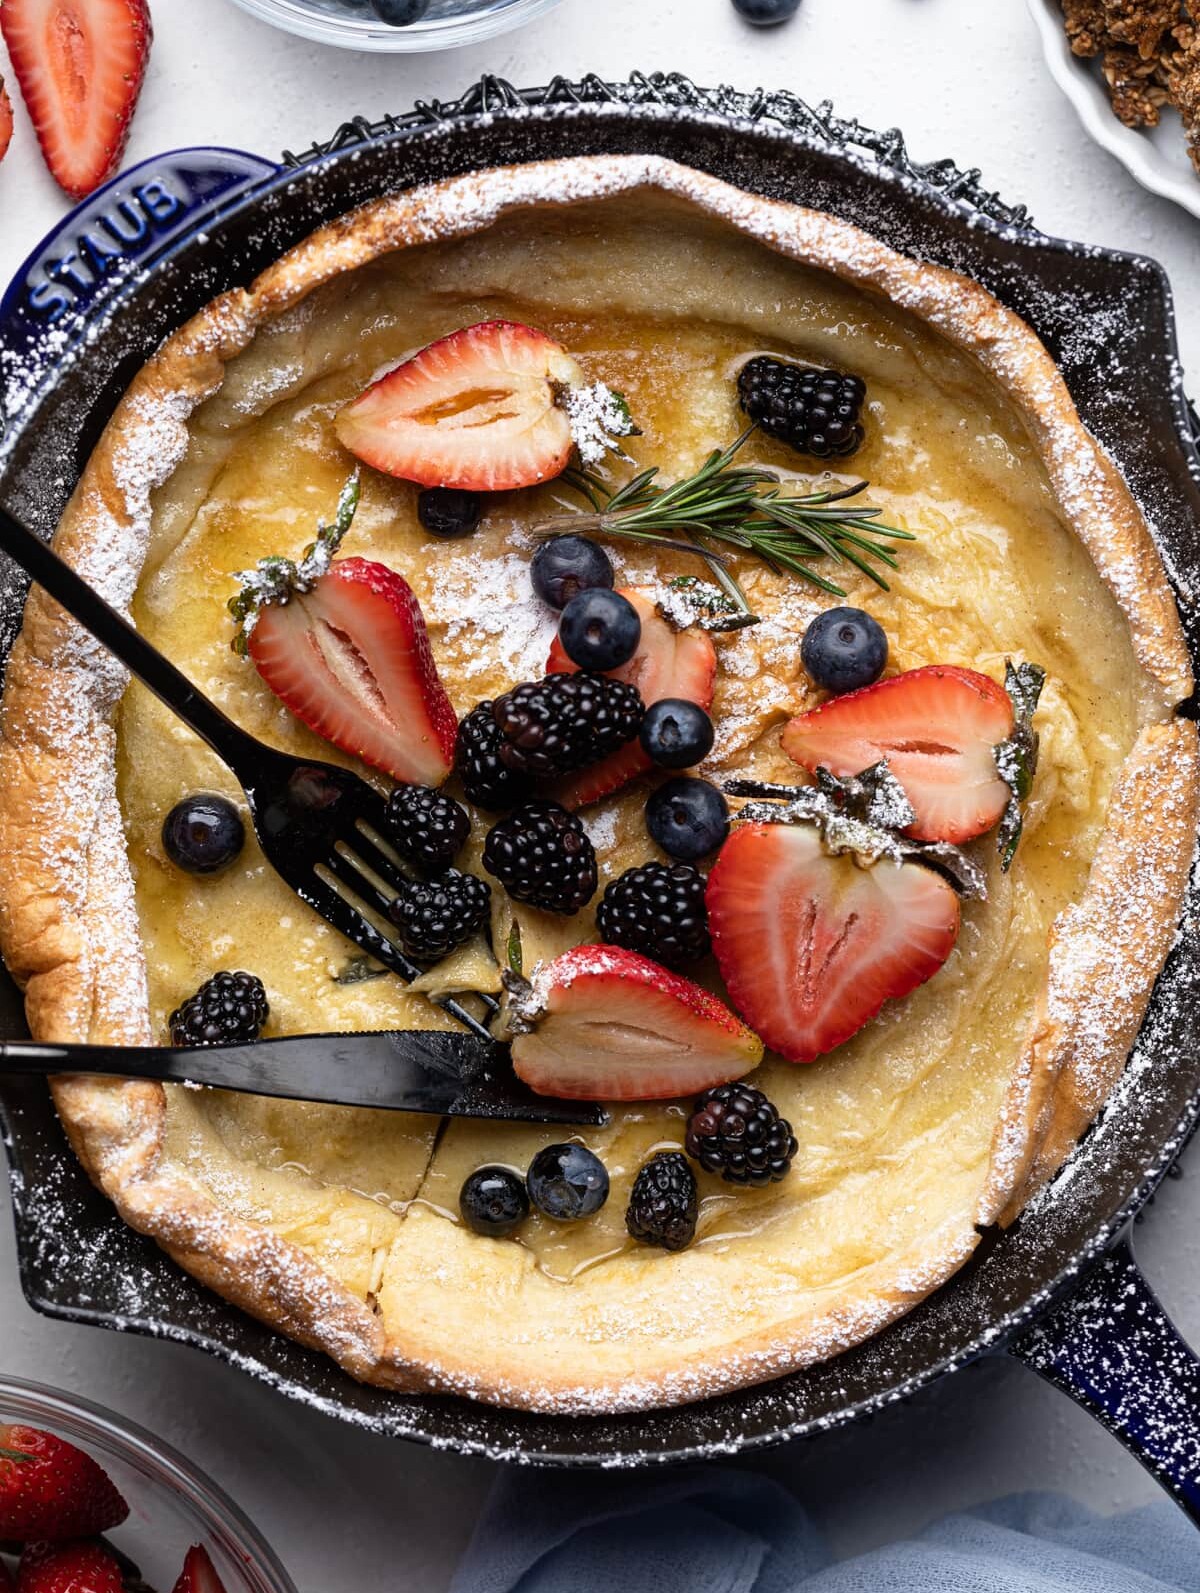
(1150, 51)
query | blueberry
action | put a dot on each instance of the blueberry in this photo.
(844, 649)
(764, 13)
(203, 833)
(493, 1201)
(449, 512)
(600, 629)
(399, 13)
(676, 733)
(567, 1181)
(687, 817)
(565, 566)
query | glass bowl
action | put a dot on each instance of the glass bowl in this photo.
(351, 25)
(171, 1504)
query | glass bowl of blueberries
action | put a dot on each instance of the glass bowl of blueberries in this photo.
(397, 25)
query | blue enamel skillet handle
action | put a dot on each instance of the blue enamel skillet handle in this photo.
(1112, 1347)
(123, 227)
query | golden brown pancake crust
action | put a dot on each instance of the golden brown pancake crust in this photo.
(70, 933)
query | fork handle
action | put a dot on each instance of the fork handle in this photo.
(229, 741)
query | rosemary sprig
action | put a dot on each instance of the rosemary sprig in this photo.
(276, 579)
(728, 505)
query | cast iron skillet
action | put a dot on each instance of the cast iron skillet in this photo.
(1060, 1289)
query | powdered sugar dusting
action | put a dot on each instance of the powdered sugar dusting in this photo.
(490, 604)
(520, 638)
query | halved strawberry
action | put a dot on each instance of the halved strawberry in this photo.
(938, 728)
(49, 1489)
(199, 1574)
(668, 663)
(6, 120)
(610, 1025)
(478, 409)
(351, 658)
(84, 1566)
(80, 64)
(810, 945)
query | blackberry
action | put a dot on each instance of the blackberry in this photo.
(228, 1009)
(541, 854)
(426, 826)
(658, 911)
(663, 1205)
(565, 722)
(735, 1131)
(488, 782)
(435, 916)
(815, 412)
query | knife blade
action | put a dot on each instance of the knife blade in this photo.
(443, 1073)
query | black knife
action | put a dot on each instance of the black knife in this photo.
(445, 1073)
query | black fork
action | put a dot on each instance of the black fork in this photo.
(320, 826)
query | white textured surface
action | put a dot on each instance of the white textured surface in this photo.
(1157, 158)
(963, 79)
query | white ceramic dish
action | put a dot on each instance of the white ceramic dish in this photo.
(1156, 157)
(352, 26)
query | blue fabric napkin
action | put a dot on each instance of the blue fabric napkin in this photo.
(725, 1531)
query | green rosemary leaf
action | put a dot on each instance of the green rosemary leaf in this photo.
(744, 507)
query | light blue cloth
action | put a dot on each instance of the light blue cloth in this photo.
(725, 1531)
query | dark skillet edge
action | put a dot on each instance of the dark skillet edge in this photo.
(1149, 1139)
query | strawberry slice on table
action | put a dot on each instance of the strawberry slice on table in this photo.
(51, 1490)
(351, 658)
(199, 1574)
(668, 663)
(6, 132)
(479, 409)
(84, 1566)
(811, 944)
(605, 1024)
(938, 728)
(80, 64)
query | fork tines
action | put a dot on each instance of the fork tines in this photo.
(359, 878)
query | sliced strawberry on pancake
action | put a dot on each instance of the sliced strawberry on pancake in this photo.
(610, 1025)
(668, 663)
(343, 644)
(938, 729)
(811, 944)
(479, 409)
(351, 658)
